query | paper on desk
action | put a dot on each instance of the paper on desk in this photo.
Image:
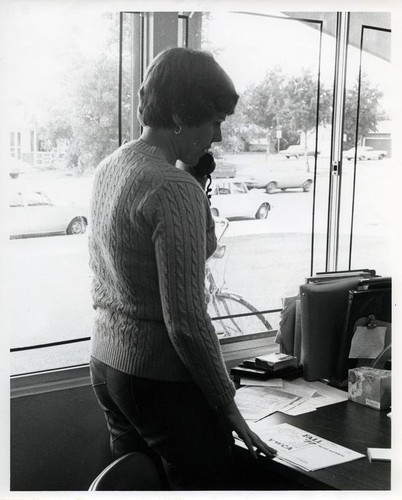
(300, 409)
(326, 395)
(297, 394)
(255, 403)
(367, 342)
(273, 382)
(299, 387)
(293, 398)
(300, 397)
(303, 392)
(381, 454)
(312, 395)
(323, 395)
(301, 448)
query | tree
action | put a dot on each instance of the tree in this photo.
(237, 131)
(93, 116)
(369, 111)
(263, 104)
(286, 103)
(290, 103)
(84, 114)
(300, 106)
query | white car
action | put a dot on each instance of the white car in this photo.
(33, 214)
(272, 181)
(365, 153)
(296, 151)
(231, 198)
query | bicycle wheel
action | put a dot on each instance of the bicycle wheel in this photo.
(225, 304)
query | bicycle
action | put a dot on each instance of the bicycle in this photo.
(231, 313)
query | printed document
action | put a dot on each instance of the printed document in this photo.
(301, 448)
(255, 403)
(313, 395)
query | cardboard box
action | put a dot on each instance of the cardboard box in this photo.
(370, 387)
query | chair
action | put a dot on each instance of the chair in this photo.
(135, 471)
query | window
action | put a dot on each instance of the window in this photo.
(285, 102)
(238, 187)
(84, 71)
(182, 39)
(16, 200)
(365, 211)
(32, 140)
(65, 97)
(15, 145)
(37, 199)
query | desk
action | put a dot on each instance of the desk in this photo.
(348, 424)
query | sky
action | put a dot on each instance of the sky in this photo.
(35, 35)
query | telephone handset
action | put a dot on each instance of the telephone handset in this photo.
(204, 168)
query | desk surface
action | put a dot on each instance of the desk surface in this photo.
(348, 424)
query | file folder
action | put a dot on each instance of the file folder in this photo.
(323, 312)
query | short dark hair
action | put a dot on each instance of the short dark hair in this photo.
(185, 83)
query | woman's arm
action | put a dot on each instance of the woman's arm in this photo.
(181, 216)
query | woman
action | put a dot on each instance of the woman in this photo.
(156, 364)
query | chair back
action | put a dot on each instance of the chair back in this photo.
(135, 471)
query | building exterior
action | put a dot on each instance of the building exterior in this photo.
(380, 139)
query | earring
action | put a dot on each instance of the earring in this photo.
(177, 130)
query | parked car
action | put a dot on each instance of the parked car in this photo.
(231, 198)
(296, 151)
(32, 213)
(272, 181)
(365, 153)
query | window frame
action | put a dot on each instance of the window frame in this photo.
(146, 42)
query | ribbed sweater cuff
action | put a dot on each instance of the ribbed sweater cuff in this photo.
(224, 398)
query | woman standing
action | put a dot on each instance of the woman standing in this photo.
(156, 364)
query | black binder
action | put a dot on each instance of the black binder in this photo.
(323, 312)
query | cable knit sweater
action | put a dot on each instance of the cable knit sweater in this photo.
(151, 232)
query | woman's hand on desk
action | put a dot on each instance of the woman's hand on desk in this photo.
(234, 419)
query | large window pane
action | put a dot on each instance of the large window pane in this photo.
(269, 148)
(64, 67)
(366, 210)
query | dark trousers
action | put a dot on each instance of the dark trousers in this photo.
(168, 419)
